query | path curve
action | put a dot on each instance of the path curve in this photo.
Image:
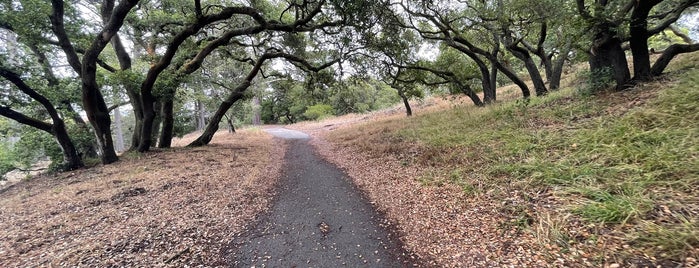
(319, 219)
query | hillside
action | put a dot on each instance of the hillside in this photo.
(167, 208)
(571, 179)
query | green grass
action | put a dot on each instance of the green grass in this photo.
(614, 167)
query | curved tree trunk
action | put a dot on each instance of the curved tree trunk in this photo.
(406, 103)
(212, 127)
(229, 122)
(472, 95)
(539, 85)
(524, 56)
(513, 77)
(93, 101)
(669, 53)
(71, 158)
(488, 88)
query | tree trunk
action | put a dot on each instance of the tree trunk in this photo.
(608, 56)
(135, 100)
(513, 77)
(638, 29)
(539, 85)
(256, 109)
(168, 124)
(146, 130)
(157, 120)
(201, 115)
(118, 132)
(97, 112)
(669, 53)
(523, 55)
(556, 72)
(472, 95)
(493, 80)
(71, 158)
(406, 103)
(229, 123)
(488, 88)
(212, 127)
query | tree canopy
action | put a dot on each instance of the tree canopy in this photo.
(86, 73)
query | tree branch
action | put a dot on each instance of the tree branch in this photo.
(23, 119)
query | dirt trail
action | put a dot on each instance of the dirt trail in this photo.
(319, 219)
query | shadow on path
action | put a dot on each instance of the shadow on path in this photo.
(319, 219)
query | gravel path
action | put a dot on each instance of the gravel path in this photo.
(319, 219)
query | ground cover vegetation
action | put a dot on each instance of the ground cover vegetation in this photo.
(588, 179)
(83, 81)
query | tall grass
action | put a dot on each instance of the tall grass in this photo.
(615, 159)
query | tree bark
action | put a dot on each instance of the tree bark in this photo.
(93, 101)
(494, 79)
(229, 122)
(118, 131)
(513, 77)
(488, 88)
(406, 103)
(212, 127)
(472, 95)
(201, 115)
(534, 74)
(557, 70)
(638, 40)
(167, 116)
(608, 56)
(669, 53)
(157, 121)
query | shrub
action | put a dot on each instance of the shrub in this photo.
(318, 111)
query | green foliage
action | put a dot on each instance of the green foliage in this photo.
(83, 140)
(34, 145)
(358, 96)
(7, 157)
(318, 111)
(596, 80)
(664, 39)
(183, 123)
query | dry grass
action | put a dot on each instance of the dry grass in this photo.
(482, 187)
(171, 207)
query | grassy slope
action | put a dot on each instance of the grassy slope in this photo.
(614, 174)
